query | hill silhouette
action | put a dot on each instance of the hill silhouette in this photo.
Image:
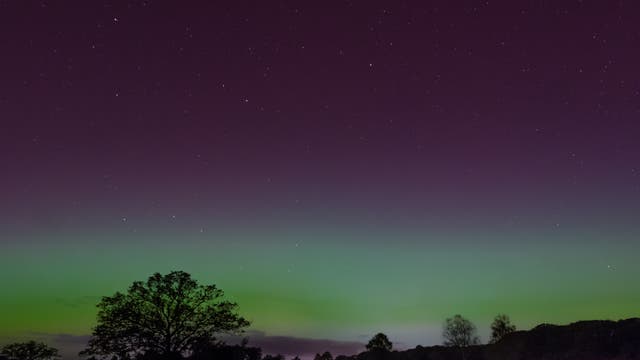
(583, 340)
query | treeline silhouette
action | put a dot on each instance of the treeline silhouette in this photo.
(172, 317)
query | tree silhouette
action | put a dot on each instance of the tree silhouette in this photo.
(459, 332)
(325, 356)
(500, 327)
(380, 342)
(166, 317)
(30, 350)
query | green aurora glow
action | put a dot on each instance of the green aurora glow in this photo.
(327, 284)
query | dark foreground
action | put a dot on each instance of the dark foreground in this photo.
(584, 340)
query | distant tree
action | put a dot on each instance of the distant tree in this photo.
(31, 350)
(500, 327)
(325, 356)
(459, 332)
(296, 357)
(227, 352)
(380, 342)
(166, 317)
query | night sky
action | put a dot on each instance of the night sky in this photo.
(338, 168)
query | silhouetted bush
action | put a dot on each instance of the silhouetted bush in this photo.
(380, 342)
(30, 350)
(325, 356)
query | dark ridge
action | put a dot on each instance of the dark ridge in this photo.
(583, 340)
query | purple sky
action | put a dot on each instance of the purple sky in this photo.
(352, 130)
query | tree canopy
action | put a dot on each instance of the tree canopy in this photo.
(31, 350)
(168, 316)
(459, 332)
(380, 342)
(500, 327)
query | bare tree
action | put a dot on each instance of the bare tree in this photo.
(500, 327)
(459, 332)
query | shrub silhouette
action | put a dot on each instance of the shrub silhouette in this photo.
(30, 350)
(379, 342)
(325, 356)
